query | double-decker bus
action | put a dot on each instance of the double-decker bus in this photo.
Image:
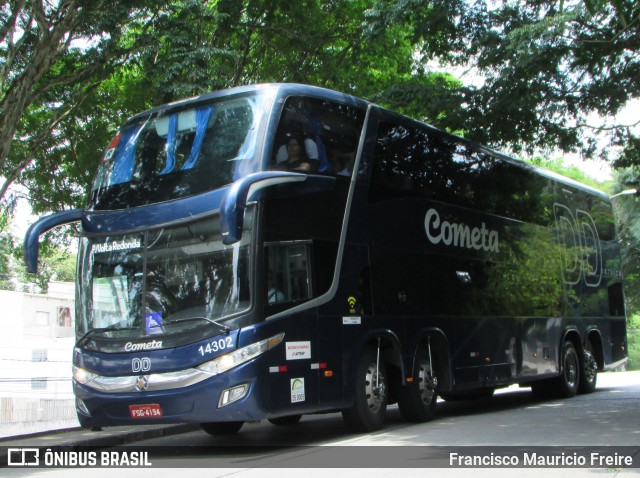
(271, 251)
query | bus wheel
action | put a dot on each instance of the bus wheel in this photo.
(417, 400)
(588, 371)
(570, 377)
(286, 421)
(370, 401)
(222, 428)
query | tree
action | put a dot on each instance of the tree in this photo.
(545, 66)
(52, 55)
(179, 49)
(6, 249)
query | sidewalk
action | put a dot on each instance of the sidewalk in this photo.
(107, 437)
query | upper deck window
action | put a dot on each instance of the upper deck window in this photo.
(317, 136)
(180, 153)
(412, 160)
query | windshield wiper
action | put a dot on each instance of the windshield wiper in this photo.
(104, 329)
(224, 328)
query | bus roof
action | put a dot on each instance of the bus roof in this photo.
(286, 89)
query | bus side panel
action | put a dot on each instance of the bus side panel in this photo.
(487, 352)
(292, 374)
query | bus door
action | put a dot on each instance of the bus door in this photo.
(293, 377)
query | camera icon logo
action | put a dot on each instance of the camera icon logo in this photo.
(23, 457)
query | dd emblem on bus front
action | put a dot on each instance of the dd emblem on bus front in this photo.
(142, 383)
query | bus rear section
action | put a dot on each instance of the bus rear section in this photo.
(481, 272)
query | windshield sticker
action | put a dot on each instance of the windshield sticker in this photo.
(297, 390)
(154, 322)
(116, 246)
(298, 350)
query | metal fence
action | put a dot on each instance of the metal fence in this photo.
(25, 415)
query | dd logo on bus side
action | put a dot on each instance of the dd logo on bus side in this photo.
(141, 365)
(582, 254)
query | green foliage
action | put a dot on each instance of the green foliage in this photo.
(627, 210)
(557, 165)
(6, 248)
(633, 341)
(544, 66)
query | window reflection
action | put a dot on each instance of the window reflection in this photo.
(549, 263)
(421, 162)
(176, 154)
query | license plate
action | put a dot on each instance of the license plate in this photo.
(152, 410)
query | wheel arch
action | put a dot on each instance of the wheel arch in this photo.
(390, 352)
(440, 350)
(594, 339)
(592, 336)
(572, 335)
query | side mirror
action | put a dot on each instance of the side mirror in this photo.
(42, 225)
(234, 202)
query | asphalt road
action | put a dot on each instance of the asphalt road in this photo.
(513, 417)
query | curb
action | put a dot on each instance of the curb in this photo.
(77, 437)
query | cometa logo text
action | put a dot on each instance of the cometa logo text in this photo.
(459, 235)
(153, 345)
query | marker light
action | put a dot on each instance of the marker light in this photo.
(82, 407)
(233, 394)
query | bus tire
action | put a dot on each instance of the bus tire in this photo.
(286, 421)
(588, 370)
(222, 428)
(370, 402)
(417, 400)
(569, 379)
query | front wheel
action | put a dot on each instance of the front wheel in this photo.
(370, 400)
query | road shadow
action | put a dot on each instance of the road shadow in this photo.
(314, 430)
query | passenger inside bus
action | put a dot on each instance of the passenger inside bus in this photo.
(273, 295)
(297, 154)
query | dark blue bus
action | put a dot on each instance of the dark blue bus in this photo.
(271, 251)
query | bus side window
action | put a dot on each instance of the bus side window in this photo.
(288, 272)
(326, 133)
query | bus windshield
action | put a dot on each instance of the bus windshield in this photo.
(180, 281)
(182, 152)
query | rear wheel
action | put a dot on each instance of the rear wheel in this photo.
(370, 401)
(566, 385)
(222, 428)
(417, 400)
(588, 370)
(570, 378)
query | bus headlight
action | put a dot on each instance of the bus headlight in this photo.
(83, 376)
(238, 357)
